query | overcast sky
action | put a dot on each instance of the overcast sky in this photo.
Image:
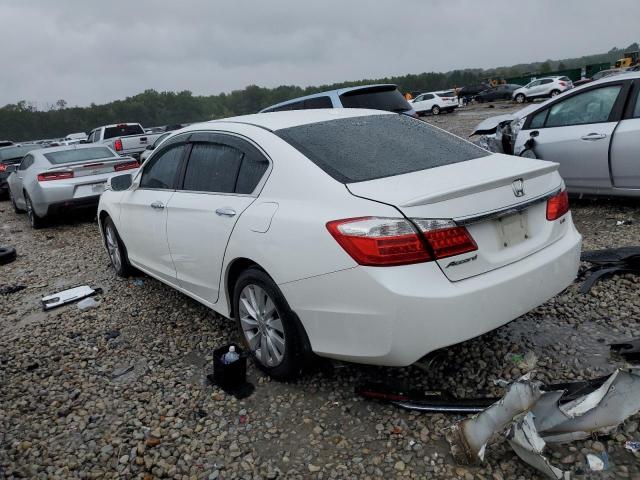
(98, 51)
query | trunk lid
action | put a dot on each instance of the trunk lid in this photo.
(96, 167)
(483, 195)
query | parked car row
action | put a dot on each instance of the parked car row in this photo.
(592, 132)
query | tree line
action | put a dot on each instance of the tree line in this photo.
(21, 121)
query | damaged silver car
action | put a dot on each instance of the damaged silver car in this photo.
(593, 132)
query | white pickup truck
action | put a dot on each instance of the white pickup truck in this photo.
(127, 139)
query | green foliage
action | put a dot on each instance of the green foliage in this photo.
(21, 121)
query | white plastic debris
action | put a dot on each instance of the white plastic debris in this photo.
(88, 303)
(532, 418)
(595, 462)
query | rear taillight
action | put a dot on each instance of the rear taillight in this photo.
(379, 242)
(3, 167)
(564, 84)
(557, 206)
(126, 166)
(118, 145)
(445, 238)
(46, 176)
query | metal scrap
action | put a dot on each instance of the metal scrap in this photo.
(609, 262)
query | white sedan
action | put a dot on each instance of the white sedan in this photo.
(359, 235)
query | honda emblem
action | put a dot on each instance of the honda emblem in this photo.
(518, 187)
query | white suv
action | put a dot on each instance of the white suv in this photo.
(434, 102)
(542, 88)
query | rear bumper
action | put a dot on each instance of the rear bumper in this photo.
(84, 203)
(394, 316)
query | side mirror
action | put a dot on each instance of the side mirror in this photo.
(149, 147)
(11, 168)
(118, 183)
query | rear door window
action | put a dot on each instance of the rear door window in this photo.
(212, 167)
(365, 148)
(160, 171)
(636, 110)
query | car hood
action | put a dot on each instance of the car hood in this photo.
(489, 125)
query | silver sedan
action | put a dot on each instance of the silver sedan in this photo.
(53, 180)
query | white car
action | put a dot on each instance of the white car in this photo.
(434, 103)
(359, 235)
(542, 88)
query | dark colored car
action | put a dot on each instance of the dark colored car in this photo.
(469, 92)
(499, 92)
(12, 155)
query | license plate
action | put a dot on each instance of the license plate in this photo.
(513, 229)
(89, 190)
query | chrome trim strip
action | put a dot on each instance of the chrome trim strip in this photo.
(505, 211)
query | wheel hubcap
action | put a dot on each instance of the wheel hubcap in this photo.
(112, 247)
(261, 325)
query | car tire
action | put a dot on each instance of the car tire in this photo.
(35, 220)
(520, 98)
(272, 337)
(116, 249)
(555, 93)
(7, 255)
(16, 209)
(435, 110)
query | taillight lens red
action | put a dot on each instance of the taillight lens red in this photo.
(379, 242)
(118, 145)
(557, 206)
(126, 166)
(3, 167)
(375, 241)
(61, 175)
(564, 84)
(445, 237)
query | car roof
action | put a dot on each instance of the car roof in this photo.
(278, 120)
(338, 92)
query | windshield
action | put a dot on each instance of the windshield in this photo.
(365, 148)
(12, 153)
(123, 130)
(79, 155)
(376, 98)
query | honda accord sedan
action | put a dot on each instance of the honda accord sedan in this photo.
(354, 234)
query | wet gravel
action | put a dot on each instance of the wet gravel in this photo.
(119, 391)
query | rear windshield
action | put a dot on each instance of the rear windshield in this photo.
(365, 148)
(78, 155)
(382, 98)
(123, 131)
(11, 153)
(446, 94)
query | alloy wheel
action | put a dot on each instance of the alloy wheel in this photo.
(261, 325)
(113, 248)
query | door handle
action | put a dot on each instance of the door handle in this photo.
(226, 212)
(157, 205)
(594, 136)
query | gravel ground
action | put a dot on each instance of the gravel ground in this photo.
(119, 391)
